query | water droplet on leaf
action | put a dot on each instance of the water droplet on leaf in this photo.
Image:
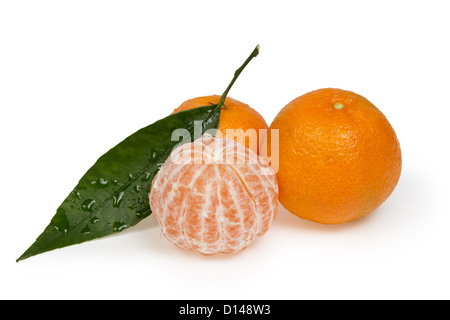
(100, 183)
(143, 212)
(93, 220)
(86, 230)
(131, 206)
(146, 176)
(75, 194)
(118, 199)
(119, 226)
(153, 154)
(60, 221)
(88, 205)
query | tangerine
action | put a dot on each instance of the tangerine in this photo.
(238, 121)
(339, 157)
(214, 196)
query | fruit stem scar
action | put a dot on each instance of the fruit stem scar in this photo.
(254, 53)
(338, 105)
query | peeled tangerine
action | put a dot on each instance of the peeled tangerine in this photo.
(214, 196)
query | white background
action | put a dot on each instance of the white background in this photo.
(77, 77)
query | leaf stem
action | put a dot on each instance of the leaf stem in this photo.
(236, 75)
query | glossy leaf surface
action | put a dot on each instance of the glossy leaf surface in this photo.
(113, 194)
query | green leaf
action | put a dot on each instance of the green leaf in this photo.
(113, 194)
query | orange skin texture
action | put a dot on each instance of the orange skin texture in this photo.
(335, 165)
(235, 115)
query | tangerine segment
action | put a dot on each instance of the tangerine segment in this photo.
(220, 205)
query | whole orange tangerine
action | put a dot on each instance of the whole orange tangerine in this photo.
(238, 121)
(214, 196)
(339, 158)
